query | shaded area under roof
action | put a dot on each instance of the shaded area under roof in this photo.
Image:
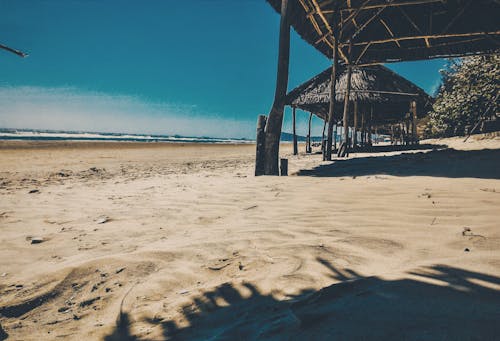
(398, 30)
(374, 86)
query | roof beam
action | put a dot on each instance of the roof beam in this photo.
(430, 37)
(410, 20)
(390, 31)
(393, 4)
(456, 17)
(366, 23)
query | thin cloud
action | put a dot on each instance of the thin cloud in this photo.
(72, 109)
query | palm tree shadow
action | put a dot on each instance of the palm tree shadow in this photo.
(450, 163)
(437, 302)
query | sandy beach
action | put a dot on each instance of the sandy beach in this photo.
(125, 241)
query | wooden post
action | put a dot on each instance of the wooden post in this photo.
(275, 119)
(370, 127)
(363, 140)
(333, 84)
(402, 129)
(407, 126)
(323, 142)
(295, 147)
(355, 126)
(414, 122)
(346, 110)
(261, 143)
(308, 142)
(335, 138)
(283, 167)
(331, 109)
(346, 105)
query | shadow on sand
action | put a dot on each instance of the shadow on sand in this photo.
(397, 148)
(435, 303)
(450, 163)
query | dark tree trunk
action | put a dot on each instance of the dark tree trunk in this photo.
(275, 119)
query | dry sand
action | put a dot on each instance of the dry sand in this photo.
(160, 241)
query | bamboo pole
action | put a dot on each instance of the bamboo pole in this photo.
(363, 127)
(331, 109)
(414, 122)
(308, 142)
(370, 126)
(355, 125)
(323, 142)
(346, 107)
(335, 138)
(295, 147)
(261, 143)
(275, 119)
(419, 37)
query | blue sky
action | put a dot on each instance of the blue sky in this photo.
(152, 66)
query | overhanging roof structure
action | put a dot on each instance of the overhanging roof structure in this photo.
(380, 31)
(375, 86)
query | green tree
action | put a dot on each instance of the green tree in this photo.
(469, 86)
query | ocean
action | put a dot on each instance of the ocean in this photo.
(58, 135)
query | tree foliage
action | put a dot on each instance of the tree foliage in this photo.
(469, 86)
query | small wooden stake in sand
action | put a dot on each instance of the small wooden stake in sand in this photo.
(284, 167)
(261, 143)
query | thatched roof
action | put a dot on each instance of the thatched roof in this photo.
(371, 86)
(397, 30)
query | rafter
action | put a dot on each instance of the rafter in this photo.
(456, 17)
(410, 20)
(389, 31)
(366, 23)
(430, 37)
(394, 4)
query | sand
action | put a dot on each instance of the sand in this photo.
(125, 241)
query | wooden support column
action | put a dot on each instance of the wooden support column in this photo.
(295, 147)
(370, 127)
(346, 106)
(363, 128)
(414, 121)
(323, 142)
(355, 126)
(402, 135)
(261, 143)
(331, 109)
(327, 156)
(275, 119)
(335, 138)
(407, 129)
(308, 142)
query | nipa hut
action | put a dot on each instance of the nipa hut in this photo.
(379, 97)
(365, 32)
